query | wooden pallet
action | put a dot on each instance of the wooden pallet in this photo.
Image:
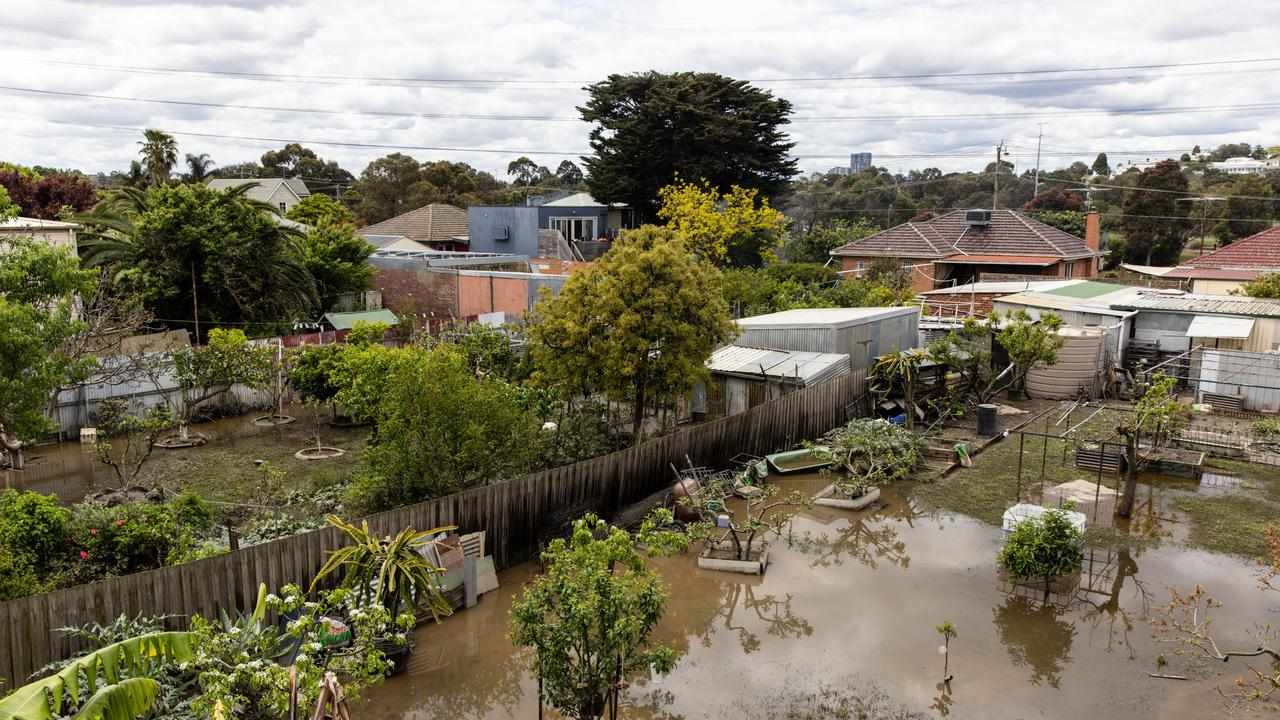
(1088, 458)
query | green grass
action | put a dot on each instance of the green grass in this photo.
(1232, 524)
(224, 470)
(987, 489)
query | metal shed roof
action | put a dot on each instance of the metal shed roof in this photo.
(1215, 326)
(1047, 301)
(347, 320)
(1202, 304)
(824, 317)
(797, 366)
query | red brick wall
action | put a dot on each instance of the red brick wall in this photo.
(418, 292)
(921, 277)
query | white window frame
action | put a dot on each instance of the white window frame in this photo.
(569, 220)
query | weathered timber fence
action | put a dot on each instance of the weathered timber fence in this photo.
(512, 513)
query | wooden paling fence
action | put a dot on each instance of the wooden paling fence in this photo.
(513, 513)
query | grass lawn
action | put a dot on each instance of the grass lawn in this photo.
(225, 472)
(1230, 522)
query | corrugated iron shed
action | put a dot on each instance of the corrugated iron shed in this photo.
(1202, 304)
(804, 368)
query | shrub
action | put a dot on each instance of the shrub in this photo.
(1266, 427)
(17, 578)
(869, 452)
(33, 527)
(1042, 548)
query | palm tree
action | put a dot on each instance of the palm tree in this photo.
(198, 167)
(159, 154)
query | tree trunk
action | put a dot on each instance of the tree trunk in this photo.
(1125, 508)
(637, 419)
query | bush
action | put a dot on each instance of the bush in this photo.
(1042, 548)
(17, 578)
(139, 536)
(33, 527)
(1266, 427)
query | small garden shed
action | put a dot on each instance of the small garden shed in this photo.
(862, 334)
(743, 377)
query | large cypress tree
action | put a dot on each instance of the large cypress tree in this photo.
(650, 128)
(1154, 225)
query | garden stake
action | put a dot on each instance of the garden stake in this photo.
(1022, 437)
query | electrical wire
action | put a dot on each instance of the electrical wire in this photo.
(441, 80)
(1118, 111)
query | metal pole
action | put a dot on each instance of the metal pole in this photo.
(1022, 437)
(1097, 488)
(1039, 138)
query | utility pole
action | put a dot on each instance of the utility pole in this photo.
(1039, 138)
(995, 194)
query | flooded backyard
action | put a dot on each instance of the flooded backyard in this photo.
(848, 607)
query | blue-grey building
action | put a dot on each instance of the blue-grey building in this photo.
(858, 162)
(514, 229)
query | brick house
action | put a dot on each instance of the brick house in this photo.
(1228, 268)
(959, 247)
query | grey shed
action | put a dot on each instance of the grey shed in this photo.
(861, 333)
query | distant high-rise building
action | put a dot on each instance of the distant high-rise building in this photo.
(839, 170)
(859, 162)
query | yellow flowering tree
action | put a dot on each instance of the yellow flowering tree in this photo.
(734, 228)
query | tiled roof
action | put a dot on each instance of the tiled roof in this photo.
(968, 259)
(262, 191)
(431, 223)
(1010, 233)
(1256, 251)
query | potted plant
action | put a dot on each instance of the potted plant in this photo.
(734, 536)
(865, 455)
(390, 571)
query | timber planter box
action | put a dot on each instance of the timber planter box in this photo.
(723, 558)
(831, 496)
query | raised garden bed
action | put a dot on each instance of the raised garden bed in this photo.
(725, 558)
(273, 420)
(322, 452)
(831, 496)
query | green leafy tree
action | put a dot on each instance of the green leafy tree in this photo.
(125, 441)
(760, 514)
(334, 255)
(388, 187)
(318, 208)
(293, 160)
(588, 619)
(198, 167)
(968, 351)
(1042, 549)
(569, 175)
(527, 172)
(1249, 208)
(1265, 286)
(39, 285)
(815, 245)
(733, 228)
(159, 151)
(440, 429)
(1158, 415)
(651, 128)
(209, 371)
(188, 249)
(639, 322)
(33, 528)
(1152, 216)
(1101, 166)
(869, 453)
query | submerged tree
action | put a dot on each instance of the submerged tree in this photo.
(1157, 414)
(1042, 549)
(207, 372)
(126, 441)
(588, 619)
(762, 513)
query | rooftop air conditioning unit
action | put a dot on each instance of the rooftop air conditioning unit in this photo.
(977, 217)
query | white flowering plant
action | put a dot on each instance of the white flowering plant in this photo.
(243, 666)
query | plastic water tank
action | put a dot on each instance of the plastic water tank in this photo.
(1079, 366)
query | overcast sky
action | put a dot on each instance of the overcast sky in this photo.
(365, 48)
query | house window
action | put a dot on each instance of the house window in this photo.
(1069, 267)
(575, 228)
(283, 209)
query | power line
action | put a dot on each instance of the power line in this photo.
(1163, 190)
(909, 117)
(444, 80)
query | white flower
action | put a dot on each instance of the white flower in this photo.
(272, 598)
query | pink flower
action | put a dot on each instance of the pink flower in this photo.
(120, 523)
(84, 555)
(93, 531)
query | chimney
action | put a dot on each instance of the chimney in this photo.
(1093, 236)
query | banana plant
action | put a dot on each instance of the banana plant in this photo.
(109, 683)
(390, 571)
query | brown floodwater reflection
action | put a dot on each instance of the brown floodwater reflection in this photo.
(850, 601)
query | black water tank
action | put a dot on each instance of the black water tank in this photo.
(988, 420)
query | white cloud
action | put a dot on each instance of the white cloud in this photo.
(579, 41)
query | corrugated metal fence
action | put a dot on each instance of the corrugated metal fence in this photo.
(512, 513)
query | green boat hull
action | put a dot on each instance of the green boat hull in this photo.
(795, 461)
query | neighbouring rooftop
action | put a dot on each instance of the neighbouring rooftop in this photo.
(824, 317)
(1010, 237)
(788, 365)
(436, 222)
(347, 320)
(1260, 251)
(1207, 304)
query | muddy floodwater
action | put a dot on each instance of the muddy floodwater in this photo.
(850, 602)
